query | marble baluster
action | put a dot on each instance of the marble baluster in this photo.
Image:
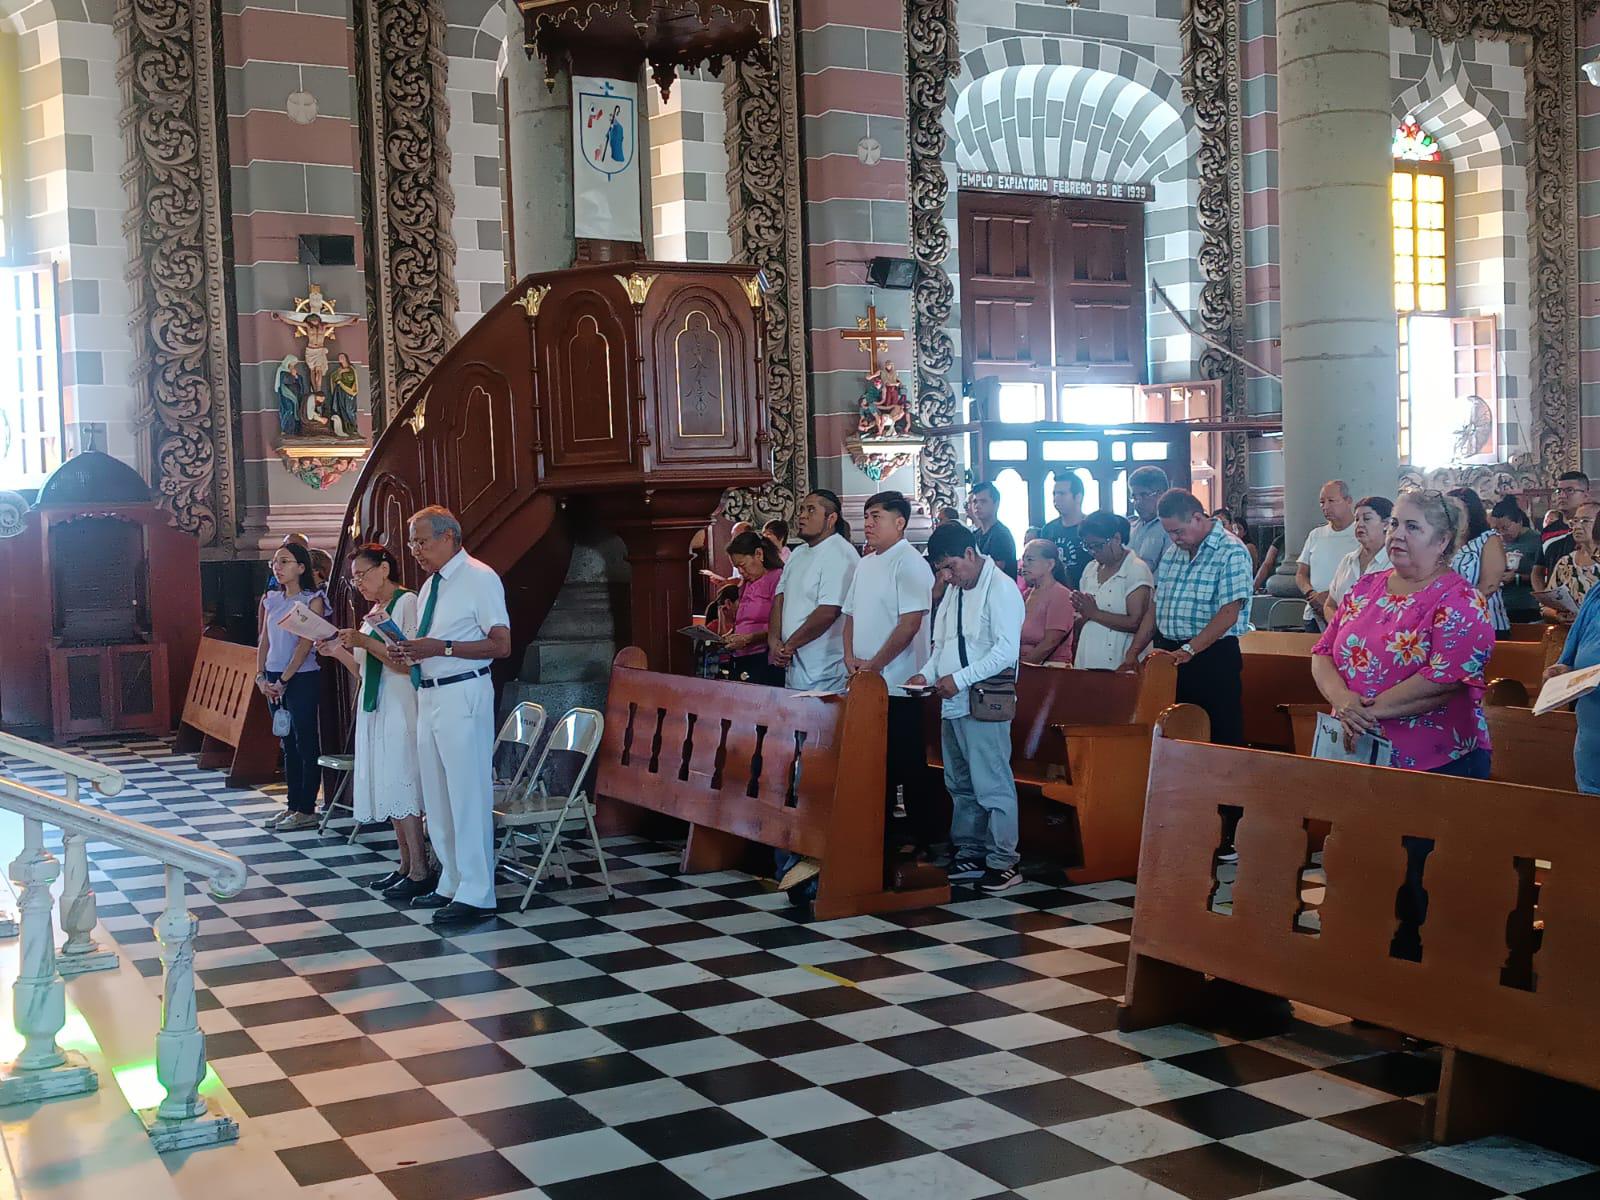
(180, 1046)
(79, 952)
(39, 996)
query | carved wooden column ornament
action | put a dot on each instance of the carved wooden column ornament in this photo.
(931, 62)
(186, 368)
(763, 141)
(1211, 77)
(406, 199)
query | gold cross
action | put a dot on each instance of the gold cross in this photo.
(873, 335)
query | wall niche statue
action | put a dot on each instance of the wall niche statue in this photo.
(317, 394)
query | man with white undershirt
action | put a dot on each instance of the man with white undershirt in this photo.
(886, 633)
(1325, 548)
(805, 633)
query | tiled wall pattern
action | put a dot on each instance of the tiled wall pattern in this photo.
(853, 133)
(689, 172)
(290, 176)
(1471, 96)
(73, 205)
(474, 39)
(1589, 244)
(1090, 92)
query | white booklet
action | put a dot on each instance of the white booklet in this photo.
(1558, 598)
(1369, 748)
(1564, 689)
(302, 622)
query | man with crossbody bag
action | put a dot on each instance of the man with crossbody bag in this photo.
(976, 640)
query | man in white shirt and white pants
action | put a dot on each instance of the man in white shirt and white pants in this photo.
(463, 623)
(805, 634)
(1325, 548)
(886, 631)
(977, 634)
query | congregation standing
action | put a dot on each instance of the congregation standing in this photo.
(1407, 597)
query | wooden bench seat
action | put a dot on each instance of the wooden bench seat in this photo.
(1082, 739)
(225, 720)
(748, 764)
(1504, 976)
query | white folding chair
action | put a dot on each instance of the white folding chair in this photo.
(345, 764)
(1287, 615)
(553, 803)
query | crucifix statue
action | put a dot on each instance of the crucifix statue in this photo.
(873, 335)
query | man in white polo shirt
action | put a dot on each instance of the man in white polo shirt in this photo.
(1325, 548)
(463, 624)
(886, 631)
(805, 634)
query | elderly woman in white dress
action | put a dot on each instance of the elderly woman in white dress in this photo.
(388, 784)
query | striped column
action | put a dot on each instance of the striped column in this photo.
(289, 177)
(853, 135)
(1259, 100)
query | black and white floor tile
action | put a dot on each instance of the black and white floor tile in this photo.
(695, 1039)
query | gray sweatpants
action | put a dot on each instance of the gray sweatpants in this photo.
(983, 792)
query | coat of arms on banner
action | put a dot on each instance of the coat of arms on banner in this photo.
(606, 130)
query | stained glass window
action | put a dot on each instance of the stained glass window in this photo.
(1418, 201)
(1411, 144)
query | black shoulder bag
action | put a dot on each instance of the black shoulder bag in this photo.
(992, 699)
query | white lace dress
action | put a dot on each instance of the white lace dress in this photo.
(388, 783)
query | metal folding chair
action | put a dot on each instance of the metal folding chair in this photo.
(345, 764)
(514, 749)
(1287, 615)
(554, 803)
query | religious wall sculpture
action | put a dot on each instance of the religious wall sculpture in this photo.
(932, 59)
(170, 65)
(317, 397)
(407, 203)
(763, 143)
(888, 435)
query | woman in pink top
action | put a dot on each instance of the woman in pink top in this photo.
(1048, 613)
(1405, 655)
(760, 569)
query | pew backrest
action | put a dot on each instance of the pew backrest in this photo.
(221, 689)
(1064, 696)
(763, 763)
(1512, 913)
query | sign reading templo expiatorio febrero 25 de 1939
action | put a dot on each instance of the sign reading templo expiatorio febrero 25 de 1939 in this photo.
(1034, 185)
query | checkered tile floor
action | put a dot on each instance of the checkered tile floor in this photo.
(694, 1038)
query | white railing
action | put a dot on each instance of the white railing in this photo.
(43, 1070)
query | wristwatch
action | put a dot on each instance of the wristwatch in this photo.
(1188, 648)
(449, 649)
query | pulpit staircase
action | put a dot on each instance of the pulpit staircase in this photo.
(635, 391)
(104, 1089)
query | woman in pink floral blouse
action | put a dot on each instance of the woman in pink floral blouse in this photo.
(1405, 655)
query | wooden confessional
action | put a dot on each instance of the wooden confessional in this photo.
(100, 599)
(636, 389)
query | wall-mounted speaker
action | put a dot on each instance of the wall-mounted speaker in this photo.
(327, 250)
(895, 274)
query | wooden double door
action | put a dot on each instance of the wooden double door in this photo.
(1052, 291)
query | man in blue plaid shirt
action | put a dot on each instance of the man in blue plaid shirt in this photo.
(1202, 587)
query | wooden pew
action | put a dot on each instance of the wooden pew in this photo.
(1507, 979)
(743, 763)
(1278, 684)
(225, 719)
(1082, 739)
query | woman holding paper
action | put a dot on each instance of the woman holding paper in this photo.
(388, 782)
(288, 676)
(760, 570)
(1404, 655)
(1578, 571)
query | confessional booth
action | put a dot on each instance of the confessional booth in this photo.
(100, 605)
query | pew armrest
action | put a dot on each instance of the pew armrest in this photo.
(1068, 732)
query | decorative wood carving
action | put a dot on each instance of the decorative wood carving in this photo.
(1211, 79)
(1549, 29)
(931, 61)
(763, 142)
(186, 370)
(406, 199)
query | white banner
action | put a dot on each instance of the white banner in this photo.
(605, 169)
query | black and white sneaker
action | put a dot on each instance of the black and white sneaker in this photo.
(999, 880)
(965, 869)
(1228, 855)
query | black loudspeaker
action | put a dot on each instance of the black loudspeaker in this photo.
(894, 274)
(327, 250)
